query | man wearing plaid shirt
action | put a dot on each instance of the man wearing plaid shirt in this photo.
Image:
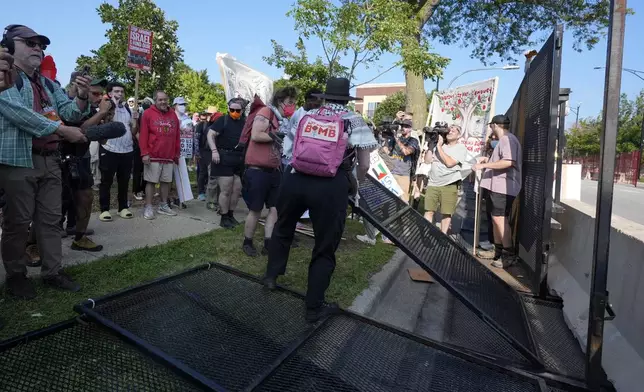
(30, 165)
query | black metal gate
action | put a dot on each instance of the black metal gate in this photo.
(534, 115)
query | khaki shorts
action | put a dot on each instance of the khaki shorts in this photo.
(443, 196)
(157, 172)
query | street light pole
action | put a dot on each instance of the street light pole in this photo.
(504, 68)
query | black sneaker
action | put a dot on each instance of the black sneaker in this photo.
(315, 314)
(250, 250)
(62, 281)
(226, 223)
(269, 283)
(20, 287)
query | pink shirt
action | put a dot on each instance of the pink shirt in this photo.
(505, 181)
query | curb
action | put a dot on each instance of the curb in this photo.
(378, 284)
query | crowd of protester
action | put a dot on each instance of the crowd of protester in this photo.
(272, 155)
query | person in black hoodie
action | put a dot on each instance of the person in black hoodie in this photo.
(228, 159)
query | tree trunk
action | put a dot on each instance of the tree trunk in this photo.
(416, 98)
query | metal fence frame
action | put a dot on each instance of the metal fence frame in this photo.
(538, 150)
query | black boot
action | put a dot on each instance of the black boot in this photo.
(226, 223)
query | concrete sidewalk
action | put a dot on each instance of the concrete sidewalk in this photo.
(123, 235)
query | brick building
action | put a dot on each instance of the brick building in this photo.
(373, 94)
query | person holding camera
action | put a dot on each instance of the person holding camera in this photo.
(446, 160)
(402, 153)
(500, 184)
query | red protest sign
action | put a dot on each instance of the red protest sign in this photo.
(139, 48)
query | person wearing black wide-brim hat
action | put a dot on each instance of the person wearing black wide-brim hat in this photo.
(326, 197)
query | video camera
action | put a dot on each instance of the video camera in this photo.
(431, 134)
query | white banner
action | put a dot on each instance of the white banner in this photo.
(380, 172)
(470, 106)
(182, 181)
(241, 81)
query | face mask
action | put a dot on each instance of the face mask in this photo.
(181, 109)
(493, 143)
(235, 115)
(289, 110)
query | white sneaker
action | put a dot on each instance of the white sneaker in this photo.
(166, 210)
(138, 196)
(366, 240)
(148, 213)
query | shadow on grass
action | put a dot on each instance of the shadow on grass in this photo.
(356, 263)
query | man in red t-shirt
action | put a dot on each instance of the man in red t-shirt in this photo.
(160, 143)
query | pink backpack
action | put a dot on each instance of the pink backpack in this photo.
(320, 144)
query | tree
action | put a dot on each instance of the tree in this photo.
(584, 140)
(355, 33)
(300, 73)
(500, 28)
(389, 107)
(196, 88)
(109, 61)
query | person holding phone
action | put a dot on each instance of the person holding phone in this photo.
(116, 157)
(32, 112)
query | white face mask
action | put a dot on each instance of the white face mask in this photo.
(181, 109)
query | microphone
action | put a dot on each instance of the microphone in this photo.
(111, 130)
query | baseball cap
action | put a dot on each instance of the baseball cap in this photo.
(406, 123)
(99, 82)
(179, 101)
(500, 119)
(19, 31)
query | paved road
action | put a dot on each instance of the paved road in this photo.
(628, 201)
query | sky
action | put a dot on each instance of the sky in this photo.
(244, 30)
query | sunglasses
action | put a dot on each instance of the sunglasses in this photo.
(33, 44)
(234, 110)
(95, 94)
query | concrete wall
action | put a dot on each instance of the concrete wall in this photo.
(569, 273)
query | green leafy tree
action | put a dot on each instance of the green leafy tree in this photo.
(197, 89)
(301, 74)
(389, 107)
(585, 139)
(359, 31)
(498, 29)
(109, 61)
(356, 34)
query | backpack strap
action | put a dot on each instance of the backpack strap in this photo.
(21, 83)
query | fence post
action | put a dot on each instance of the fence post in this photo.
(601, 245)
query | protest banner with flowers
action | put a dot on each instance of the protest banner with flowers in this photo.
(470, 106)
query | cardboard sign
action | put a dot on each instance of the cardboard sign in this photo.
(139, 48)
(380, 172)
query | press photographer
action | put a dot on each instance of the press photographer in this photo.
(403, 150)
(447, 159)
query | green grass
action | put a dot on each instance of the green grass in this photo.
(356, 263)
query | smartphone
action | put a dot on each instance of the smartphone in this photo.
(86, 70)
(8, 44)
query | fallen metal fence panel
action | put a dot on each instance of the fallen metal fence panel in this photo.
(77, 357)
(224, 326)
(478, 288)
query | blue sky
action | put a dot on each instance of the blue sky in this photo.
(245, 29)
